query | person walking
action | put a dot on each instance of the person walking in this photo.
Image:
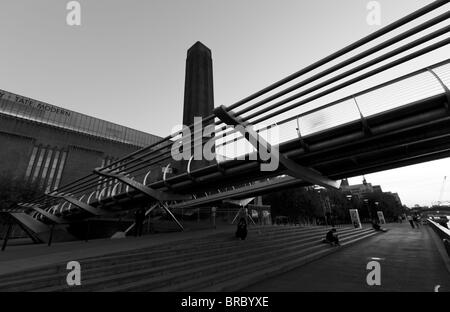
(139, 217)
(410, 220)
(416, 220)
(241, 231)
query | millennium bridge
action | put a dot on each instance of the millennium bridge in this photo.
(322, 137)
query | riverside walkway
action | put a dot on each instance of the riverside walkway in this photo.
(410, 259)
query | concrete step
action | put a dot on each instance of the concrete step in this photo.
(223, 238)
(242, 277)
(229, 245)
(211, 272)
(252, 278)
(102, 276)
(161, 250)
(224, 268)
(186, 260)
(213, 239)
(55, 277)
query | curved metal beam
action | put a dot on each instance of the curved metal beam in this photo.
(446, 89)
(188, 169)
(90, 196)
(146, 177)
(165, 175)
(158, 195)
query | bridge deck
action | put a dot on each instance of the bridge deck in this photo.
(410, 261)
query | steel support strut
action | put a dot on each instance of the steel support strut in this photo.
(161, 197)
(166, 208)
(294, 169)
(146, 214)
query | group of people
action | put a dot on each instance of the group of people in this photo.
(414, 221)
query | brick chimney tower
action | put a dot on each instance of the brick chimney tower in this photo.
(198, 90)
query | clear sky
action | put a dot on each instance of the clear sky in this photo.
(126, 62)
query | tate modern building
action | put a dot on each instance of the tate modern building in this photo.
(53, 146)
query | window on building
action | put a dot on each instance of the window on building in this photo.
(46, 166)
(39, 164)
(52, 171)
(60, 170)
(31, 162)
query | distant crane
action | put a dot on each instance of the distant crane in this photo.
(441, 194)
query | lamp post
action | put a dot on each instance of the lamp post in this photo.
(349, 199)
(366, 202)
(377, 205)
(324, 208)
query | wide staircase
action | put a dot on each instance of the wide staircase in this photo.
(217, 262)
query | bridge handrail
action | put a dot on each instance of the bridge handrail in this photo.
(346, 98)
(443, 230)
(443, 233)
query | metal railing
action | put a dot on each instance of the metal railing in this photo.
(443, 233)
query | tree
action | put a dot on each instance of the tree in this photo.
(14, 190)
(308, 203)
(298, 204)
(385, 202)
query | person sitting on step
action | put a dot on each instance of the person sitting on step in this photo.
(332, 238)
(376, 226)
